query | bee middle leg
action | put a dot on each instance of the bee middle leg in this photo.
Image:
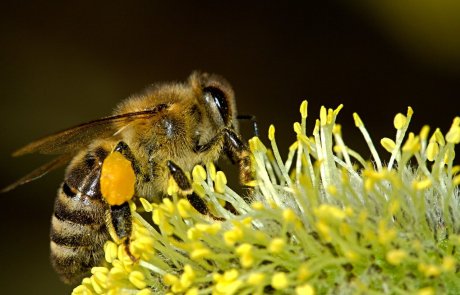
(185, 186)
(179, 176)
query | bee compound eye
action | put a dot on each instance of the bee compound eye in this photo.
(220, 100)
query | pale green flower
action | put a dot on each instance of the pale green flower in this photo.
(323, 221)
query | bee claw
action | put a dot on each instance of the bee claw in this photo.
(128, 251)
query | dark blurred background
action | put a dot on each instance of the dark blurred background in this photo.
(67, 63)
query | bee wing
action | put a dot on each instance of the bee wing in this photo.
(75, 138)
(69, 141)
(39, 172)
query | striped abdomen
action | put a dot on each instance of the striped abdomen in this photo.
(78, 228)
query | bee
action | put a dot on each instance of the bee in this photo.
(164, 131)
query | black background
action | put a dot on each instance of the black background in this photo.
(63, 64)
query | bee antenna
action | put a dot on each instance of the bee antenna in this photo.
(253, 120)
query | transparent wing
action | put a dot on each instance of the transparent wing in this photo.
(39, 172)
(68, 142)
(75, 138)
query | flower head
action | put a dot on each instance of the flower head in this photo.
(322, 220)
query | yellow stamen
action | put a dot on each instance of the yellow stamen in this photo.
(395, 257)
(388, 144)
(358, 121)
(256, 278)
(221, 182)
(304, 109)
(279, 281)
(306, 289)
(271, 132)
(137, 279)
(198, 174)
(399, 121)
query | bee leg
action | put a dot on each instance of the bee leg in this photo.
(182, 181)
(120, 215)
(236, 150)
(120, 222)
(124, 149)
(200, 205)
(240, 154)
(184, 185)
(179, 176)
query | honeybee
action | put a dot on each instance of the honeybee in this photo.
(164, 131)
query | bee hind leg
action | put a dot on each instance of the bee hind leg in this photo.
(125, 150)
(119, 218)
(120, 226)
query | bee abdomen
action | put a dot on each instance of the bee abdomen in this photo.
(71, 205)
(78, 233)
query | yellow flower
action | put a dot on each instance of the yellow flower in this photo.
(317, 216)
(137, 279)
(228, 283)
(395, 257)
(279, 280)
(426, 291)
(306, 289)
(246, 255)
(232, 236)
(256, 278)
(276, 245)
(429, 270)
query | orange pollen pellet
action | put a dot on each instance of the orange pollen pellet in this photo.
(117, 179)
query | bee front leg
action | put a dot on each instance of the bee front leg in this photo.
(240, 154)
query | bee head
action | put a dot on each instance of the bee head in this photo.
(217, 97)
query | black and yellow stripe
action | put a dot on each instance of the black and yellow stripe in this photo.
(78, 226)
